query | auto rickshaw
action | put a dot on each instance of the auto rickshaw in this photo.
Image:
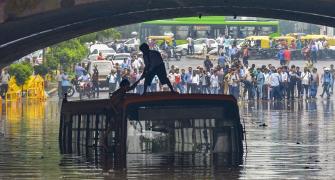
(331, 40)
(285, 39)
(260, 41)
(160, 39)
(259, 47)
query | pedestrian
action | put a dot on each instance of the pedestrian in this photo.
(275, 86)
(287, 56)
(314, 53)
(95, 82)
(195, 82)
(314, 83)
(292, 75)
(222, 60)
(245, 56)
(306, 77)
(281, 57)
(234, 84)
(178, 81)
(188, 78)
(326, 79)
(208, 64)
(112, 81)
(299, 82)
(65, 83)
(214, 80)
(260, 80)
(5, 77)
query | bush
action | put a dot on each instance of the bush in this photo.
(21, 72)
(41, 70)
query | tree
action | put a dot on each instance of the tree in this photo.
(21, 72)
(65, 54)
(101, 36)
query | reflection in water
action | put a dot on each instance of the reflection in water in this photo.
(285, 140)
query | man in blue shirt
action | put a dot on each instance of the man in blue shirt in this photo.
(221, 60)
(79, 70)
(326, 79)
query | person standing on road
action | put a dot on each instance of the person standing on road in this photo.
(306, 77)
(332, 71)
(221, 60)
(208, 64)
(95, 82)
(245, 56)
(314, 53)
(214, 83)
(281, 57)
(314, 83)
(112, 81)
(154, 65)
(188, 77)
(190, 46)
(326, 79)
(220, 41)
(5, 77)
(65, 83)
(287, 56)
(260, 80)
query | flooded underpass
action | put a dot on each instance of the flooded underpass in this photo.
(285, 140)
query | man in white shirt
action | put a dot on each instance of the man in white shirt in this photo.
(195, 82)
(4, 82)
(306, 77)
(214, 83)
(275, 80)
(220, 41)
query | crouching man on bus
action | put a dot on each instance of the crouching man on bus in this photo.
(154, 65)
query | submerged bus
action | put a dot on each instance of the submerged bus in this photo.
(209, 26)
(155, 123)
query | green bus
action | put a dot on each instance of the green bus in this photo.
(208, 26)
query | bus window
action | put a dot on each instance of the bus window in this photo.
(182, 32)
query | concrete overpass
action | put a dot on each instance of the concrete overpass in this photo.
(28, 25)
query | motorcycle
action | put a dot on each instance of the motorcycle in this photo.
(85, 89)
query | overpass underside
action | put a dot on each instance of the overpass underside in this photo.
(33, 25)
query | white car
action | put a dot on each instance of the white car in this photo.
(130, 43)
(199, 46)
(214, 51)
(95, 49)
(119, 57)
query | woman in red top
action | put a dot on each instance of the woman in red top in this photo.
(287, 56)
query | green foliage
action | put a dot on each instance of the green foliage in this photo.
(101, 36)
(66, 54)
(21, 72)
(41, 70)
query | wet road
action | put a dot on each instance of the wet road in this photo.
(292, 140)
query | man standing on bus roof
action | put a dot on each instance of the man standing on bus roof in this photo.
(154, 65)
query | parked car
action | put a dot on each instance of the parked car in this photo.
(104, 67)
(129, 44)
(199, 46)
(95, 49)
(239, 43)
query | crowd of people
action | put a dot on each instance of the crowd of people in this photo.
(230, 74)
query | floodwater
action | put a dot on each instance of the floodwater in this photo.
(294, 140)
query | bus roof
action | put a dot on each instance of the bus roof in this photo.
(208, 20)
